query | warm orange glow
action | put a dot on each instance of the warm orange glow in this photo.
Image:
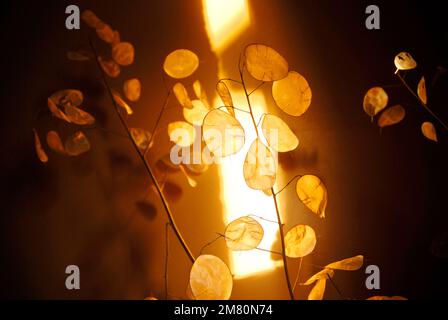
(225, 21)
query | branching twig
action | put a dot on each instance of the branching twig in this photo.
(257, 87)
(247, 97)
(156, 125)
(143, 159)
(280, 225)
(298, 275)
(282, 241)
(210, 243)
(421, 102)
(290, 181)
(336, 287)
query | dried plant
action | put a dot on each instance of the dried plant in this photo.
(222, 135)
(376, 100)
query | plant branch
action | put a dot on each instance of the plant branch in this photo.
(421, 102)
(298, 275)
(290, 181)
(159, 117)
(145, 162)
(282, 241)
(247, 97)
(336, 287)
(257, 87)
(232, 80)
(233, 109)
(210, 243)
(279, 220)
(256, 248)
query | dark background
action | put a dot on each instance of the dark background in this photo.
(387, 190)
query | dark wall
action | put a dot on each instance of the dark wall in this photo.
(386, 189)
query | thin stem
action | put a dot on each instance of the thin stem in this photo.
(290, 181)
(270, 251)
(159, 117)
(298, 275)
(261, 218)
(210, 243)
(233, 80)
(261, 118)
(282, 240)
(256, 248)
(421, 102)
(336, 287)
(247, 97)
(225, 107)
(145, 162)
(166, 260)
(279, 220)
(257, 87)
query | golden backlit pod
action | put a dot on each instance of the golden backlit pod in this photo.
(192, 182)
(116, 38)
(421, 90)
(105, 32)
(391, 116)
(200, 93)
(404, 61)
(110, 67)
(182, 95)
(151, 298)
(181, 133)
(181, 63)
(55, 111)
(123, 53)
(387, 298)
(141, 137)
(429, 131)
(259, 167)
(222, 133)
(264, 63)
(349, 264)
(323, 274)
(292, 94)
(121, 103)
(243, 234)
(77, 144)
(41, 154)
(67, 97)
(375, 100)
(132, 89)
(90, 19)
(225, 96)
(318, 291)
(54, 142)
(197, 88)
(79, 55)
(313, 193)
(197, 113)
(300, 241)
(278, 134)
(78, 116)
(210, 279)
